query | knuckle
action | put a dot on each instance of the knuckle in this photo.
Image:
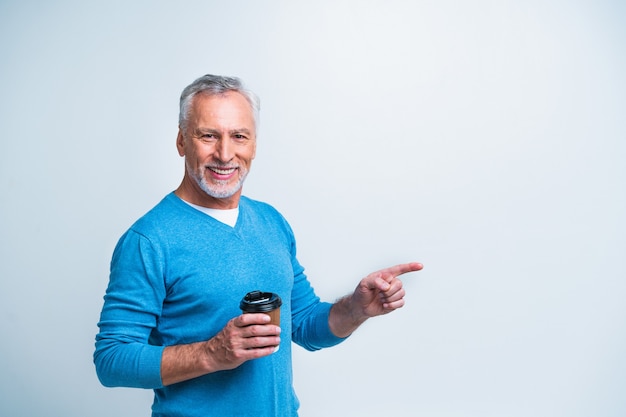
(255, 331)
(259, 341)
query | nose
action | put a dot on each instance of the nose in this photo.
(224, 151)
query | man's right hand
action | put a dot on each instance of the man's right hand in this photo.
(248, 336)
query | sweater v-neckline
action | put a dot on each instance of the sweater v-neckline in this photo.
(235, 228)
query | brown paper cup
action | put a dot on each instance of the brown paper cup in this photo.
(262, 302)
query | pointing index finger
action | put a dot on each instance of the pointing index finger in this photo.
(404, 268)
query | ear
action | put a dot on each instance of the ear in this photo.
(180, 142)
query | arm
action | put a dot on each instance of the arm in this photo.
(378, 293)
(244, 338)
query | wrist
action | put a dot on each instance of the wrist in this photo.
(345, 317)
(209, 356)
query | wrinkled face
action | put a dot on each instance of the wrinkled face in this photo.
(219, 144)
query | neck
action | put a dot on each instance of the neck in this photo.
(192, 193)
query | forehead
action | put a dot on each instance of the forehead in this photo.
(230, 110)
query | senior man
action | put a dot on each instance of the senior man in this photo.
(171, 320)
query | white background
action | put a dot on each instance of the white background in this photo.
(485, 139)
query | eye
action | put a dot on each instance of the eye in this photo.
(207, 137)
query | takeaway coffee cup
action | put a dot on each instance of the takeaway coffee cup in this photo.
(262, 302)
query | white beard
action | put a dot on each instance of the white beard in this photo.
(217, 188)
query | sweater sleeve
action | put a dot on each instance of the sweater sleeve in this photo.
(310, 328)
(132, 306)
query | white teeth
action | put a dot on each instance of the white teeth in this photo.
(225, 171)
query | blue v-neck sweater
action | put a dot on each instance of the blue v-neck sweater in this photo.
(177, 276)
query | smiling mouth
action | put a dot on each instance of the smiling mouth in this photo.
(222, 171)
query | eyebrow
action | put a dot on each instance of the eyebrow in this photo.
(236, 131)
(216, 131)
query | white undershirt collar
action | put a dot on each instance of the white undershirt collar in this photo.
(227, 216)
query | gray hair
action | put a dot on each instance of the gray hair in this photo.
(215, 85)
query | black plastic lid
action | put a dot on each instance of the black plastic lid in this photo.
(260, 302)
